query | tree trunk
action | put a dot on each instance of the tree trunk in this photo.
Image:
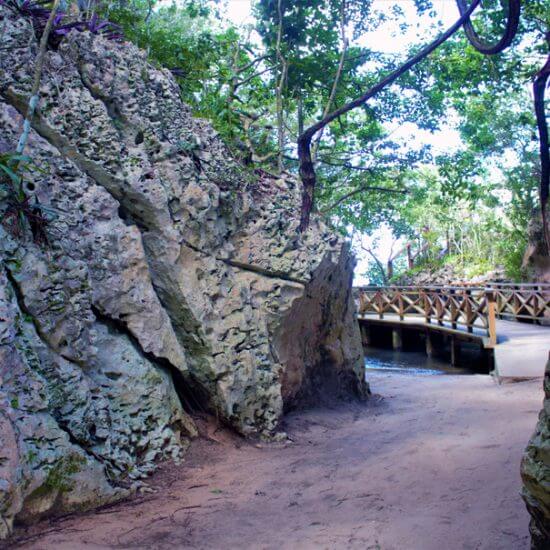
(300, 116)
(539, 86)
(337, 77)
(279, 90)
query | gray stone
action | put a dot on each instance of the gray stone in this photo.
(535, 472)
(168, 278)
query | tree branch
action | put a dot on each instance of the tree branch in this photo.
(345, 165)
(248, 79)
(279, 90)
(361, 190)
(539, 87)
(307, 169)
(332, 95)
(248, 121)
(252, 63)
(33, 100)
(379, 264)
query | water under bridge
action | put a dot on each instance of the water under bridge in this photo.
(510, 321)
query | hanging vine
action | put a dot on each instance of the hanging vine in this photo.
(512, 10)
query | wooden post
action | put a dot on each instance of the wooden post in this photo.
(470, 318)
(440, 308)
(429, 344)
(365, 335)
(427, 307)
(455, 351)
(491, 319)
(380, 303)
(452, 299)
(400, 304)
(362, 302)
(499, 292)
(516, 301)
(537, 308)
(397, 339)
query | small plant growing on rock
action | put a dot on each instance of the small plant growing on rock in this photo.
(59, 476)
(63, 23)
(17, 210)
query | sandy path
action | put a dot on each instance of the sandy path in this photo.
(432, 465)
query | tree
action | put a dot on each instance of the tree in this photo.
(309, 56)
(307, 169)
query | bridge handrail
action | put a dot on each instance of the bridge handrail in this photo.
(522, 301)
(471, 286)
(420, 287)
(521, 285)
(464, 306)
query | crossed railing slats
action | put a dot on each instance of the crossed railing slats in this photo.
(465, 307)
(522, 301)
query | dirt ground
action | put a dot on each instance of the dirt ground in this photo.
(433, 464)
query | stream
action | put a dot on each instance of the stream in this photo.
(412, 363)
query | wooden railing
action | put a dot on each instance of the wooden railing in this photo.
(522, 301)
(466, 308)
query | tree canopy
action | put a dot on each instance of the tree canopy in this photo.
(299, 90)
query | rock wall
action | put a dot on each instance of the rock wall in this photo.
(167, 279)
(535, 472)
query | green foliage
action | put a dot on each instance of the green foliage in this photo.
(186, 38)
(178, 36)
(31, 457)
(426, 265)
(59, 477)
(17, 212)
(230, 79)
(483, 194)
(12, 167)
(60, 473)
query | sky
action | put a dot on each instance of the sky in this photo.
(390, 39)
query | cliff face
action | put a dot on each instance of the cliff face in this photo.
(535, 472)
(167, 279)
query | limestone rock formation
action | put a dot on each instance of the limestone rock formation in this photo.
(168, 278)
(535, 472)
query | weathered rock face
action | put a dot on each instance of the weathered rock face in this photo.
(535, 472)
(171, 279)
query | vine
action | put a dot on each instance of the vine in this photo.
(512, 17)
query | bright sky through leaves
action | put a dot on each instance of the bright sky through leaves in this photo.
(389, 38)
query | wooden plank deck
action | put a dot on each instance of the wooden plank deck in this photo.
(521, 350)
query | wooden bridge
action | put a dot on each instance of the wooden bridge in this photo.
(512, 320)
